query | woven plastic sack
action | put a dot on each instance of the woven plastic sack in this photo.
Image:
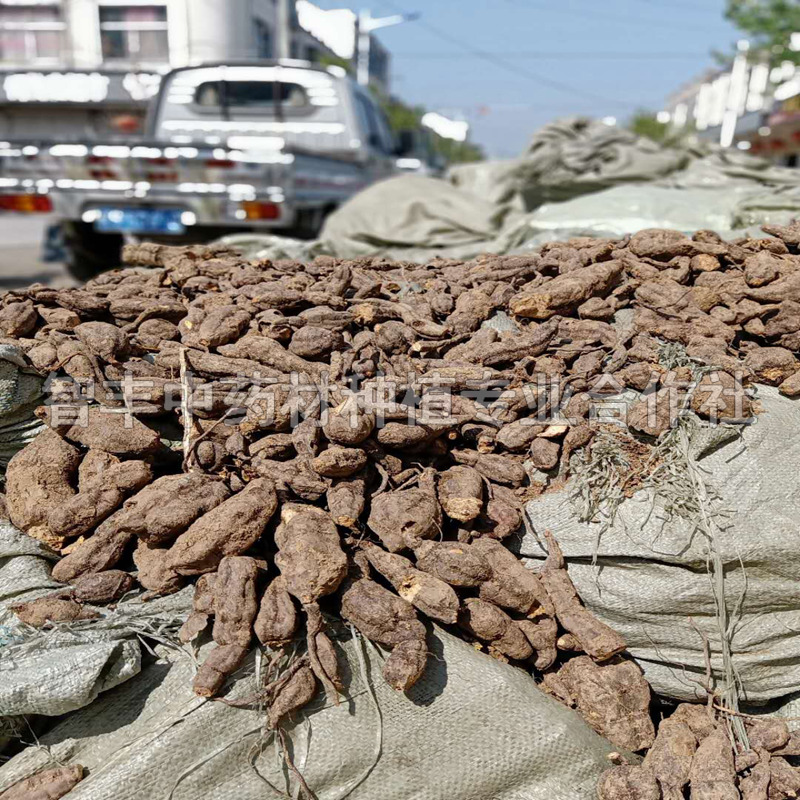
(471, 729)
(653, 581)
(20, 393)
(620, 210)
(54, 672)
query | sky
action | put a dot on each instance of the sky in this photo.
(510, 66)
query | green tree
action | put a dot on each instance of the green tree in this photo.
(403, 117)
(769, 25)
(645, 123)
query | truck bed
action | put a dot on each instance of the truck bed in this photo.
(212, 184)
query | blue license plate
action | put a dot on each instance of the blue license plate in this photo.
(140, 220)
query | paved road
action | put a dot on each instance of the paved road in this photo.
(20, 247)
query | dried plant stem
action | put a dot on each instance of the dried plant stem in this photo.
(186, 411)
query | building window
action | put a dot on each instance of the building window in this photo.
(263, 39)
(134, 33)
(31, 34)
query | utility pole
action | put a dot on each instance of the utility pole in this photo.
(284, 29)
(737, 94)
(365, 25)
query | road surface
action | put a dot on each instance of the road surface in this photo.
(20, 248)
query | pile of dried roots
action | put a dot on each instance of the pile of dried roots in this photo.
(349, 439)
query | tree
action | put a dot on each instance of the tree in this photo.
(645, 123)
(403, 117)
(769, 25)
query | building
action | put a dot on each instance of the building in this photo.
(338, 30)
(97, 62)
(748, 105)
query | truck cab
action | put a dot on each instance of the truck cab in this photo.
(297, 104)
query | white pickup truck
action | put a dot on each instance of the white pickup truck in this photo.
(228, 147)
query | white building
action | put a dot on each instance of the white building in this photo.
(98, 61)
(134, 34)
(748, 105)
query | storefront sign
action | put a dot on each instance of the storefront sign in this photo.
(78, 88)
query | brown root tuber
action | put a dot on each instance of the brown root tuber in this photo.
(433, 597)
(235, 603)
(596, 638)
(310, 557)
(452, 562)
(487, 622)
(614, 698)
(49, 784)
(460, 492)
(51, 609)
(228, 529)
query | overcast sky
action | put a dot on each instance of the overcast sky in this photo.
(512, 65)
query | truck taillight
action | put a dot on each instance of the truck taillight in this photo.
(254, 209)
(27, 203)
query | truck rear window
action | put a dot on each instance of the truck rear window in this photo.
(253, 95)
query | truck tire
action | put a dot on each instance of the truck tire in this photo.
(89, 252)
(309, 223)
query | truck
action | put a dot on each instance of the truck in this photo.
(268, 146)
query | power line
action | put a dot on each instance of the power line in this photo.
(514, 69)
(628, 19)
(583, 55)
(674, 4)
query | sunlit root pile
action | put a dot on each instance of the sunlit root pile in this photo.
(349, 440)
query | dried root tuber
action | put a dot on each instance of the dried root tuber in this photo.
(542, 634)
(244, 356)
(309, 556)
(346, 499)
(403, 518)
(101, 551)
(388, 620)
(511, 585)
(39, 479)
(166, 508)
(102, 587)
(235, 603)
(339, 462)
(433, 597)
(596, 638)
(628, 783)
(202, 608)
(153, 570)
(228, 529)
(297, 692)
(49, 784)
(712, 775)
(460, 492)
(220, 663)
(454, 563)
(102, 429)
(490, 624)
(87, 509)
(614, 698)
(276, 623)
(670, 757)
(51, 609)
